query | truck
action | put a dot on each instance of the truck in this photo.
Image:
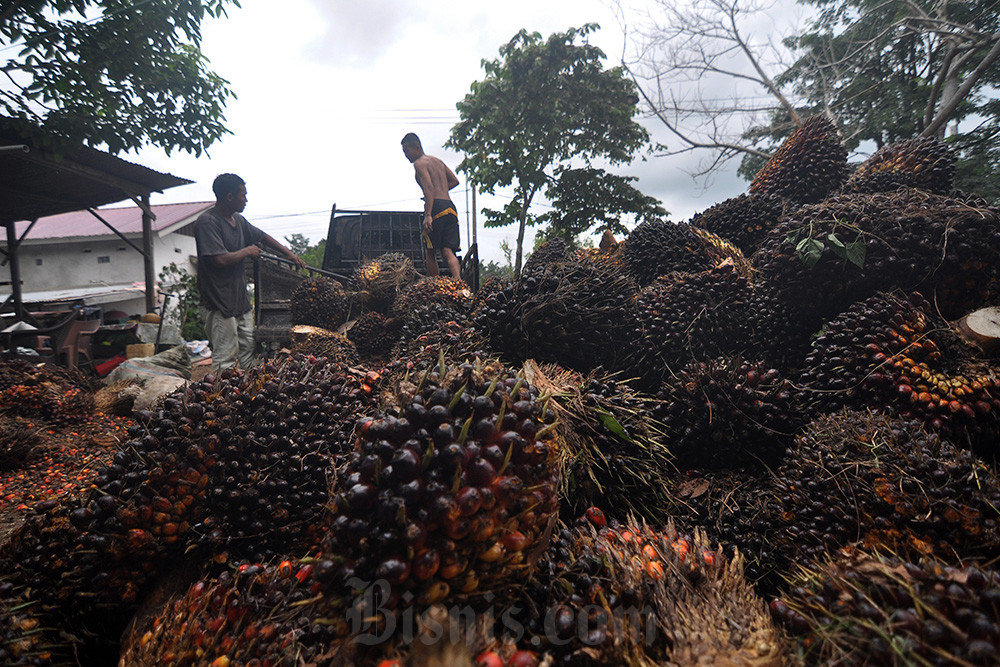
(354, 237)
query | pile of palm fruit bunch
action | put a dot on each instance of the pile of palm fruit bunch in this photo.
(743, 220)
(319, 302)
(449, 493)
(924, 163)
(234, 467)
(429, 302)
(42, 391)
(892, 353)
(861, 608)
(378, 282)
(614, 455)
(625, 593)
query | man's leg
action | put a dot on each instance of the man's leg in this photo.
(247, 343)
(222, 338)
(432, 262)
(452, 260)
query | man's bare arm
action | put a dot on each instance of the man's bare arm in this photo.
(452, 178)
(234, 257)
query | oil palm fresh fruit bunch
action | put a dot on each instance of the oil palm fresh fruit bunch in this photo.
(884, 482)
(822, 258)
(553, 250)
(870, 609)
(319, 342)
(495, 313)
(451, 340)
(885, 353)
(727, 413)
(631, 594)
(777, 331)
(683, 317)
(614, 456)
(378, 282)
(434, 289)
(374, 334)
(808, 166)
(319, 302)
(451, 488)
(744, 220)
(426, 317)
(574, 314)
(926, 163)
(658, 247)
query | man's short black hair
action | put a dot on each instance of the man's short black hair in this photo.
(412, 139)
(225, 184)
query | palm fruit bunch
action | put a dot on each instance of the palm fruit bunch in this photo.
(18, 439)
(887, 484)
(552, 250)
(450, 489)
(46, 392)
(434, 289)
(808, 166)
(494, 312)
(777, 333)
(613, 457)
(319, 302)
(454, 341)
(574, 314)
(870, 609)
(379, 281)
(824, 257)
(743, 221)
(682, 317)
(630, 594)
(233, 464)
(319, 342)
(727, 413)
(26, 640)
(926, 163)
(374, 334)
(883, 353)
(659, 247)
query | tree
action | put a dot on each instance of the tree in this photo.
(542, 105)
(310, 254)
(590, 200)
(119, 74)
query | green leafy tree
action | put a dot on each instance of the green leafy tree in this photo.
(114, 73)
(184, 286)
(313, 255)
(543, 104)
(592, 201)
(297, 243)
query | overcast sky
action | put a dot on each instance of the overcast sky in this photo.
(327, 88)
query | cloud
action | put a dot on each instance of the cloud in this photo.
(361, 32)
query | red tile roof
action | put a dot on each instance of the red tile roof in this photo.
(127, 220)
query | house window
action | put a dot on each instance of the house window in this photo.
(104, 259)
(38, 261)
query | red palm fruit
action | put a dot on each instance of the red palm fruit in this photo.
(489, 659)
(596, 516)
(426, 564)
(523, 659)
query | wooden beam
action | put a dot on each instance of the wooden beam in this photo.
(120, 235)
(147, 252)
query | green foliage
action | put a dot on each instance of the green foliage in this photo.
(177, 281)
(310, 254)
(493, 269)
(810, 250)
(542, 104)
(113, 73)
(587, 201)
(297, 243)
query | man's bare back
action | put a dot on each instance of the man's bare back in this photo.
(434, 177)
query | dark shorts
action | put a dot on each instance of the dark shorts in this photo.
(444, 229)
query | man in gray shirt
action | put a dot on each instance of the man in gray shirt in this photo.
(224, 239)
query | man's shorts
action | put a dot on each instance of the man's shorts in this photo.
(444, 228)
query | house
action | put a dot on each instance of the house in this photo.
(78, 258)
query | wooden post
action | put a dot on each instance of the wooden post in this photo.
(15, 270)
(147, 255)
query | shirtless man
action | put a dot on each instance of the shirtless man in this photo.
(440, 223)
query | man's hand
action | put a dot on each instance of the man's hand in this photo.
(252, 251)
(428, 222)
(299, 262)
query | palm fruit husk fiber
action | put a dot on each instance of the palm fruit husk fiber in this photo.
(808, 166)
(926, 163)
(893, 353)
(857, 608)
(822, 258)
(888, 484)
(319, 302)
(631, 594)
(380, 281)
(614, 457)
(744, 221)
(319, 342)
